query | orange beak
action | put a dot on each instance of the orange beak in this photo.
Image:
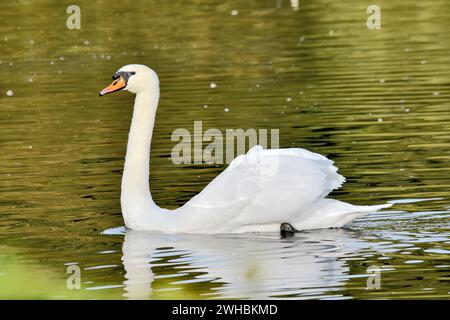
(114, 86)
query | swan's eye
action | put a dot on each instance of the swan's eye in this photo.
(124, 74)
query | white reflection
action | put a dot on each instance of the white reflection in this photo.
(295, 4)
(244, 266)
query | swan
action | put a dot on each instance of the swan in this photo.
(258, 192)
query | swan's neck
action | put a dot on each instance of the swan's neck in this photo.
(136, 200)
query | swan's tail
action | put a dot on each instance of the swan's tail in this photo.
(330, 213)
(373, 208)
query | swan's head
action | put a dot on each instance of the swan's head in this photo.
(134, 78)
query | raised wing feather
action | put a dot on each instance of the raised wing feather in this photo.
(266, 186)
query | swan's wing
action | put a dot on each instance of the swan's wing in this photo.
(267, 186)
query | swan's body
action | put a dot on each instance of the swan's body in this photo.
(255, 193)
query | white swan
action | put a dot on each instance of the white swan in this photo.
(257, 192)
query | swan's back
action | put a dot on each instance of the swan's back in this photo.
(261, 189)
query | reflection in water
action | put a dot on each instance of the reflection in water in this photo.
(256, 266)
(331, 263)
(295, 4)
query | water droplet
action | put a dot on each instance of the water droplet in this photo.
(413, 261)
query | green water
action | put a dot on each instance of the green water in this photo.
(375, 101)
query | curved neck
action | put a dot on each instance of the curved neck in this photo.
(135, 198)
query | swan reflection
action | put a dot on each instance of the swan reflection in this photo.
(257, 266)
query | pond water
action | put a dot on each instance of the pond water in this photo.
(374, 101)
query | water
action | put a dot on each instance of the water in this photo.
(375, 101)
